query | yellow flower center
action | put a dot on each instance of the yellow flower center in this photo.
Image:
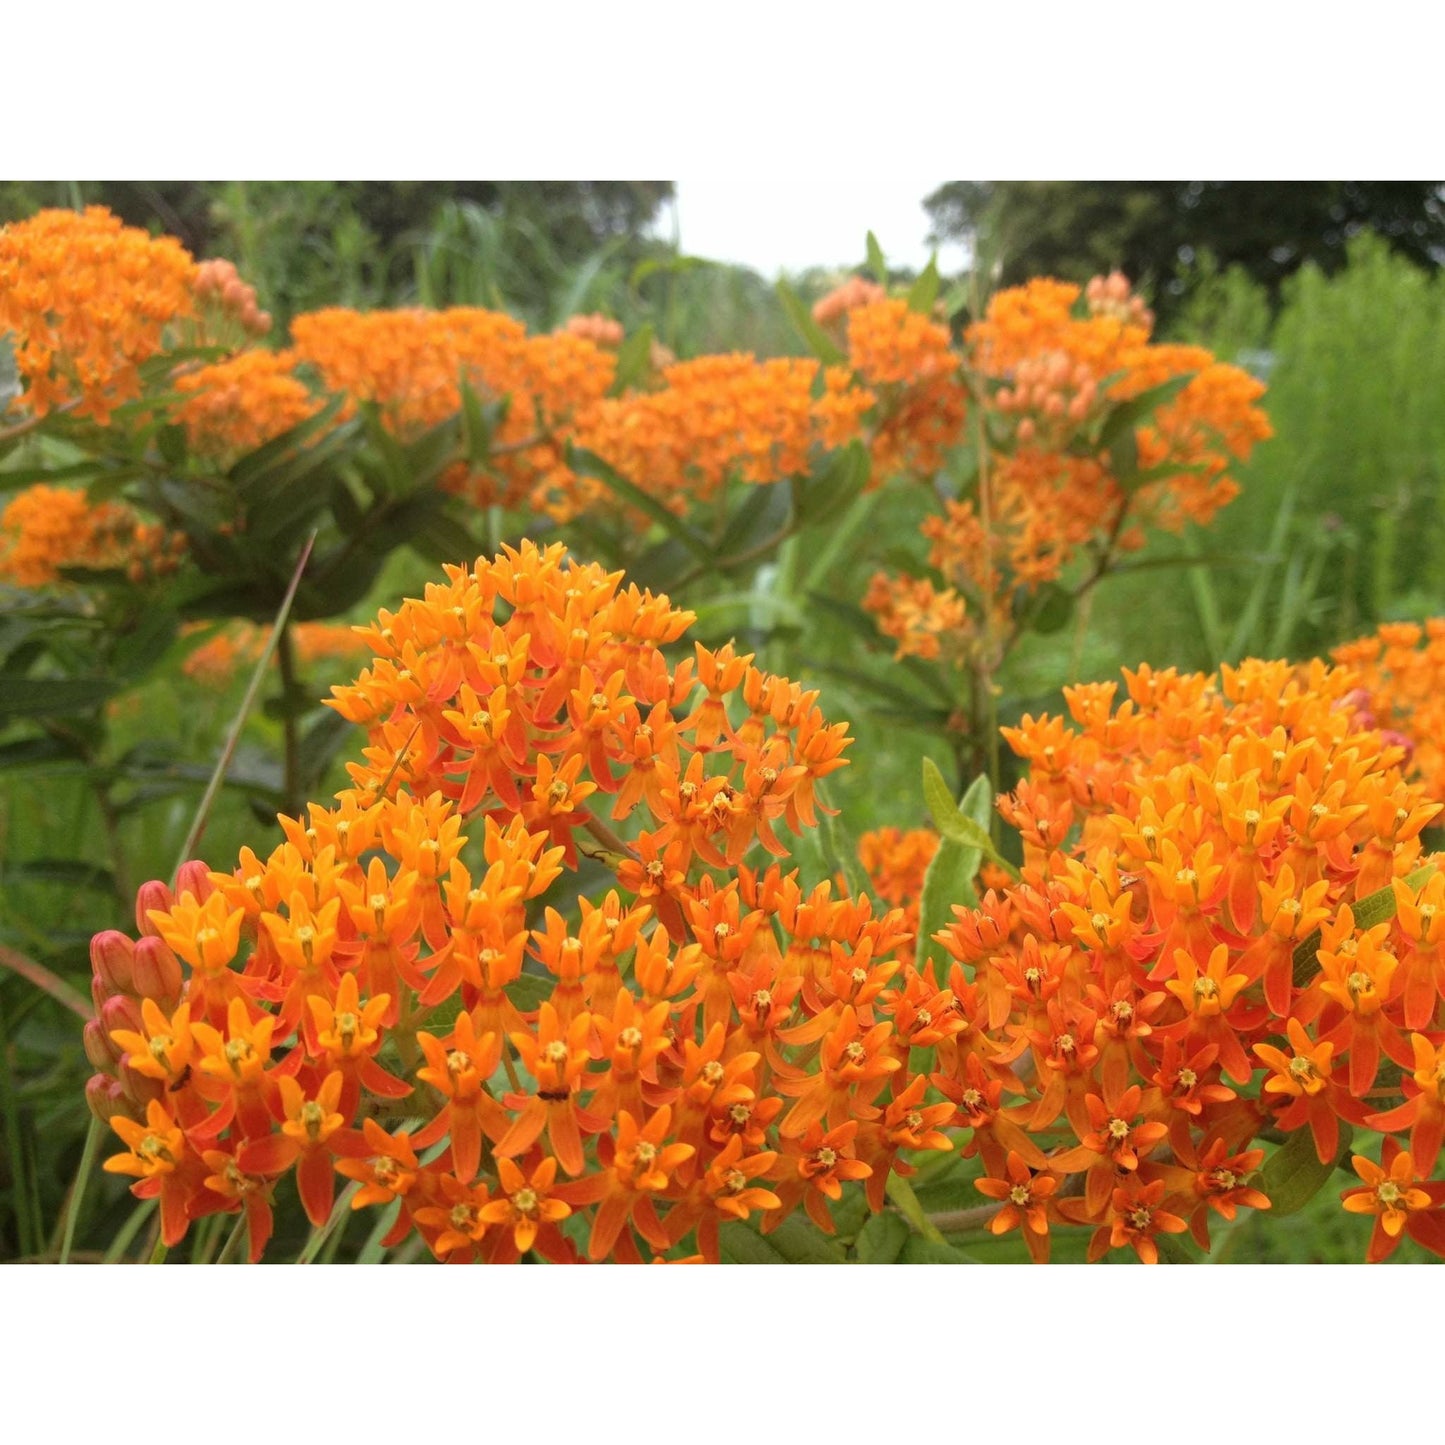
(855, 1053)
(1019, 1194)
(711, 1073)
(1188, 1078)
(313, 1116)
(1118, 1129)
(825, 1157)
(1388, 1193)
(524, 1201)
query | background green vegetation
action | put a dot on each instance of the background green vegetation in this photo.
(1338, 527)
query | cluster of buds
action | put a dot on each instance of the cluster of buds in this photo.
(1112, 295)
(848, 295)
(395, 996)
(1050, 394)
(220, 291)
(1226, 929)
(599, 329)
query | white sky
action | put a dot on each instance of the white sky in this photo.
(793, 221)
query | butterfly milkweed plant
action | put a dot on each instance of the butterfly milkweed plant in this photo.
(572, 968)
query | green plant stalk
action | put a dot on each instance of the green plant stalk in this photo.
(198, 823)
(320, 1235)
(900, 1191)
(27, 1224)
(233, 1241)
(129, 1230)
(77, 1189)
(291, 767)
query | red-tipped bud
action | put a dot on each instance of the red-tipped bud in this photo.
(110, 961)
(195, 878)
(153, 895)
(138, 1090)
(98, 993)
(98, 1047)
(157, 972)
(121, 1012)
(106, 1100)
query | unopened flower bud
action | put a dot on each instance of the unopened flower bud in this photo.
(105, 1098)
(157, 972)
(110, 961)
(121, 1012)
(194, 878)
(98, 1048)
(153, 895)
(138, 1090)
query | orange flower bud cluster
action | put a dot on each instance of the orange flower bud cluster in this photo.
(219, 288)
(1401, 672)
(1112, 295)
(895, 861)
(86, 300)
(708, 1042)
(44, 529)
(1223, 926)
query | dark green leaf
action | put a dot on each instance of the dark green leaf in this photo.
(821, 497)
(69, 871)
(1293, 1174)
(763, 516)
(737, 1244)
(924, 291)
(876, 262)
(51, 696)
(634, 359)
(138, 650)
(1049, 609)
(1374, 908)
(918, 1250)
(255, 466)
(1129, 414)
(591, 465)
(882, 1238)
(171, 443)
(813, 335)
(36, 752)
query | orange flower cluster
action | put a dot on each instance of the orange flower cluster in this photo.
(1402, 692)
(908, 361)
(895, 861)
(719, 417)
(86, 300)
(708, 1043)
(243, 402)
(410, 364)
(44, 529)
(1053, 367)
(854, 292)
(215, 661)
(1224, 930)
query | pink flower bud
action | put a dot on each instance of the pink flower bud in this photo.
(106, 1100)
(121, 1012)
(110, 958)
(152, 895)
(195, 878)
(138, 1090)
(98, 993)
(157, 972)
(98, 1047)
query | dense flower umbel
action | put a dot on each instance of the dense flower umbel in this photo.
(43, 529)
(86, 300)
(1048, 362)
(1135, 1005)
(1401, 671)
(710, 1041)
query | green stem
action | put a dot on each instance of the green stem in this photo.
(233, 1241)
(198, 823)
(77, 1190)
(291, 775)
(900, 1191)
(129, 1230)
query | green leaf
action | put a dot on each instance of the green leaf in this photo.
(1124, 460)
(256, 466)
(765, 515)
(1374, 908)
(824, 495)
(924, 291)
(171, 443)
(69, 871)
(634, 359)
(433, 452)
(814, 337)
(531, 991)
(737, 1244)
(1129, 414)
(36, 752)
(947, 882)
(1049, 609)
(800, 1241)
(876, 262)
(480, 420)
(591, 465)
(882, 1238)
(926, 1251)
(50, 696)
(1293, 1174)
(140, 648)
